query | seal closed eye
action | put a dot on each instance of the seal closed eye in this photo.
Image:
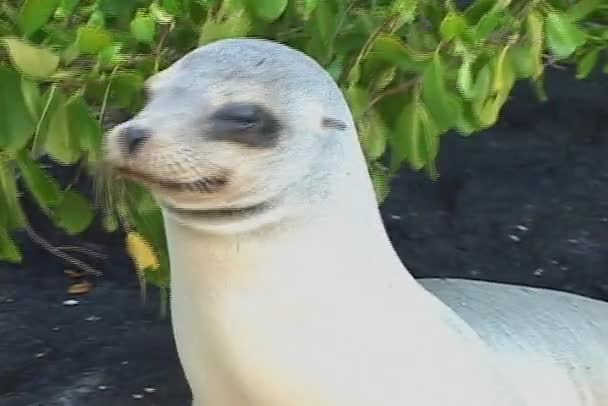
(285, 288)
(247, 124)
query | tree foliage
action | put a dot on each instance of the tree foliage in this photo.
(411, 71)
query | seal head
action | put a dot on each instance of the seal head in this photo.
(226, 146)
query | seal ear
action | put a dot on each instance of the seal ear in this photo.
(333, 123)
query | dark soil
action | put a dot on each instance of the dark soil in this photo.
(525, 202)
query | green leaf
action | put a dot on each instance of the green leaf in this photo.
(453, 25)
(384, 78)
(524, 64)
(116, 7)
(481, 93)
(416, 137)
(111, 56)
(41, 185)
(587, 63)
(406, 136)
(538, 85)
(563, 36)
(236, 24)
(487, 24)
(17, 125)
(91, 40)
(31, 96)
(467, 124)
(358, 100)
(82, 123)
(464, 80)
(402, 11)
(60, 143)
(372, 135)
(306, 7)
(581, 9)
(31, 60)
(8, 249)
(336, 67)
(441, 103)
(97, 20)
(9, 198)
(535, 30)
(503, 76)
(34, 14)
(174, 7)
(66, 8)
(391, 49)
(73, 213)
(125, 89)
(268, 10)
(429, 148)
(143, 27)
(47, 106)
(491, 92)
(159, 14)
(380, 181)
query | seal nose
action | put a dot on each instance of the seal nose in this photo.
(133, 137)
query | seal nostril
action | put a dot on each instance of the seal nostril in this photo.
(133, 138)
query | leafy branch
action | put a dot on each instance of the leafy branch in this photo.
(410, 71)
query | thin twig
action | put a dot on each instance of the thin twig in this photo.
(42, 117)
(161, 43)
(339, 26)
(106, 95)
(60, 254)
(83, 250)
(403, 87)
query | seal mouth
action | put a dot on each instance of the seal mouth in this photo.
(203, 185)
(208, 184)
(223, 214)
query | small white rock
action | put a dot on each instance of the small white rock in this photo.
(515, 238)
(395, 217)
(521, 227)
(124, 363)
(149, 389)
(93, 318)
(137, 396)
(538, 271)
(70, 302)
(102, 387)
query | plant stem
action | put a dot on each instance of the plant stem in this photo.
(59, 253)
(402, 87)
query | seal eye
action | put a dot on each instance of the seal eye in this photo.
(239, 116)
(247, 124)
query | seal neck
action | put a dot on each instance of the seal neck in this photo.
(341, 240)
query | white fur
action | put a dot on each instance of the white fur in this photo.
(308, 304)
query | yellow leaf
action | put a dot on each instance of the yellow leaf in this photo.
(80, 288)
(141, 252)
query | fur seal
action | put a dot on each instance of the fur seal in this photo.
(286, 290)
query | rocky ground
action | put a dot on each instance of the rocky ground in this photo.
(525, 202)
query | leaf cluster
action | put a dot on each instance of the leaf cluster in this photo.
(411, 70)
